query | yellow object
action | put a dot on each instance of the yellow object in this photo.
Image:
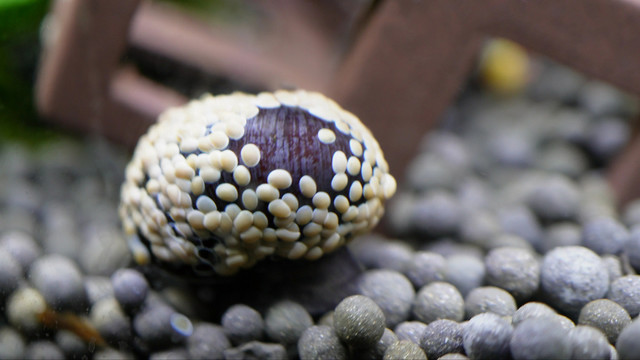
(505, 67)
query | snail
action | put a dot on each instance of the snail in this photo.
(227, 181)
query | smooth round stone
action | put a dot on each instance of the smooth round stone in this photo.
(359, 321)
(110, 321)
(521, 221)
(588, 343)
(632, 248)
(404, 349)
(321, 342)
(59, 281)
(410, 330)
(453, 356)
(256, 350)
(479, 228)
(71, 344)
(489, 299)
(537, 338)
(171, 354)
(208, 341)
(22, 247)
(561, 234)
(441, 337)
(438, 300)
(487, 336)
(374, 252)
(98, 288)
(532, 310)
(10, 273)
(436, 214)
(572, 276)
(605, 315)
(110, 354)
(625, 291)
(377, 351)
(424, 268)
(555, 199)
(130, 288)
(285, 322)
(12, 344)
(614, 267)
(627, 345)
(153, 325)
(391, 290)
(103, 250)
(43, 349)
(465, 272)
(604, 235)
(242, 324)
(514, 270)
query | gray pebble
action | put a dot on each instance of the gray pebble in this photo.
(614, 266)
(12, 344)
(442, 337)
(514, 270)
(71, 345)
(374, 252)
(403, 349)
(448, 247)
(537, 338)
(425, 267)
(625, 291)
(111, 354)
(10, 274)
(632, 248)
(321, 342)
(519, 220)
(532, 310)
(208, 341)
(256, 350)
(572, 276)
(509, 240)
(242, 324)
(43, 350)
(60, 230)
(489, 299)
(153, 325)
(110, 321)
(59, 281)
(561, 234)
(358, 321)
(410, 330)
(607, 136)
(98, 288)
(588, 343)
(391, 290)
(285, 321)
(130, 288)
(486, 336)
(562, 158)
(22, 247)
(604, 235)
(555, 198)
(377, 351)
(453, 356)
(605, 315)
(429, 172)
(438, 300)
(627, 345)
(464, 272)
(171, 354)
(436, 214)
(326, 319)
(479, 228)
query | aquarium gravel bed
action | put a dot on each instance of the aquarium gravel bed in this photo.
(504, 241)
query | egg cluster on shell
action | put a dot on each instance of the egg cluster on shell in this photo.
(226, 181)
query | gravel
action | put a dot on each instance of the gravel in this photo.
(130, 288)
(625, 291)
(532, 310)
(489, 299)
(321, 342)
(391, 291)
(285, 321)
(588, 343)
(60, 282)
(465, 272)
(358, 321)
(404, 349)
(425, 267)
(441, 337)
(605, 315)
(438, 300)
(242, 324)
(208, 341)
(604, 236)
(487, 336)
(572, 276)
(627, 345)
(515, 270)
(537, 338)
(410, 330)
